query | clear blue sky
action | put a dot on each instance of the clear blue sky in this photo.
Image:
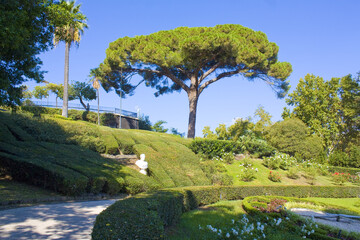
(318, 37)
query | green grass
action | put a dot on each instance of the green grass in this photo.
(234, 170)
(349, 203)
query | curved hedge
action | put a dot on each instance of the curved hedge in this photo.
(146, 215)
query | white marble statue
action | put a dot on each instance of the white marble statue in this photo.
(142, 164)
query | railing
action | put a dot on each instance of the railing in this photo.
(91, 108)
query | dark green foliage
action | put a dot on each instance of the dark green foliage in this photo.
(292, 137)
(343, 159)
(214, 148)
(147, 214)
(255, 146)
(217, 148)
(354, 156)
(82, 91)
(25, 32)
(108, 119)
(352, 171)
(222, 179)
(144, 123)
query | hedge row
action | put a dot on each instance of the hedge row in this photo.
(216, 148)
(146, 215)
(352, 171)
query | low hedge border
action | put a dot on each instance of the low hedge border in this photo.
(145, 216)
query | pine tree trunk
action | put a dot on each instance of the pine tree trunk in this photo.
(83, 104)
(66, 81)
(193, 100)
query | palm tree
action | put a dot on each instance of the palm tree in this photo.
(74, 23)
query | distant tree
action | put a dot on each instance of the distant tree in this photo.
(329, 108)
(144, 123)
(222, 133)
(158, 127)
(207, 133)
(57, 89)
(82, 91)
(174, 131)
(263, 122)
(241, 127)
(191, 59)
(40, 92)
(25, 32)
(69, 29)
(292, 136)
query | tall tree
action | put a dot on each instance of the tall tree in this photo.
(329, 108)
(191, 59)
(25, 31)
(83, 91)
(40, 92)
(263, 122)
(69, 30)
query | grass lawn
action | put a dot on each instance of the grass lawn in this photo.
(234, 170)
(351, 203)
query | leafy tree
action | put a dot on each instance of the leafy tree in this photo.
(222, 133)
(157, 127)
(69, 30)
(292, 136)
(57, 89)
(40, 92)
(241, 127)
(82, 91)
(207, 133)
(191, 59)
(144, 123)
(25, 32)
(264, 121)
(174, 131)
(329, 108)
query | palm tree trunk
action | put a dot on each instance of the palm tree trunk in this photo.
(66, 81)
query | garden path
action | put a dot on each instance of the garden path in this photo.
(71, 220)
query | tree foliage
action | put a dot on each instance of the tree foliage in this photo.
(40, 92)
(82, 91)
(191, 59)
(158, 127)
(263, 122)
(329, 108)
(25, 31)
(292, 136)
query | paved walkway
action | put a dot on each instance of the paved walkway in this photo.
(51, 221)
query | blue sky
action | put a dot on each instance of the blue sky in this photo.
(318, 37)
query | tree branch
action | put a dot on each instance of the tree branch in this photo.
(176, 80)
(218, 77)
(208, 72)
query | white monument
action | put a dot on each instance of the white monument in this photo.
(142, 164)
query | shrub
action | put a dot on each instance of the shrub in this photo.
(340, 178)
(222, 179)
(147, 214)
(274, 176)
(310, 173)
(257, 147)
(108, 119)
(280, 160)
(292, 136)
(247, 174)
(293, 173)
(214, 148)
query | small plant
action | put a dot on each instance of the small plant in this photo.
(293, 173)
(247, 174)
(274, 176)
(228, 157)
(222, 179)
(354, 179)
(310, 173)
(340, 178)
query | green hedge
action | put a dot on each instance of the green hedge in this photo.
(214, 148)
(352, 171)
(145, 216)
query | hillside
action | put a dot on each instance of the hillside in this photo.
(64, 155)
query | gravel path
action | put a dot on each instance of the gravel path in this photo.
(350, 225)
(52, 221)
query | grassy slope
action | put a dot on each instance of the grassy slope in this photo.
(59, 150)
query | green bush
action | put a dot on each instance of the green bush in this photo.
(221, 179)
(257, 147)
(147, 214)
(108, 119)
(293, 137)
(352, 171)
(247, 175)
(214, 148)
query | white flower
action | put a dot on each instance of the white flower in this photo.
(227, 235)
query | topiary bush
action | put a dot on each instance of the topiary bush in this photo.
(214, 148)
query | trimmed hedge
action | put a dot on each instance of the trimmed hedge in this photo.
(145, 216)
(352, 171)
